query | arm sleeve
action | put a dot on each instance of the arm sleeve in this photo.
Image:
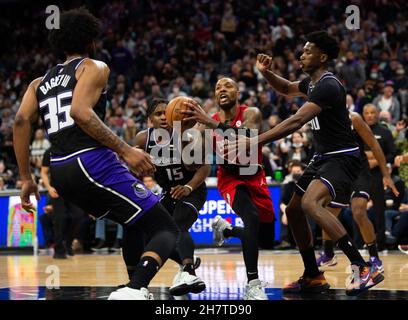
(46, 158)
(303, 85)
(325, 92)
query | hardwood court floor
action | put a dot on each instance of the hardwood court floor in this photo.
(222, 271)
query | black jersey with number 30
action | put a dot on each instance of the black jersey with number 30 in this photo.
(332, 127)
(54, 96)
(170, 171)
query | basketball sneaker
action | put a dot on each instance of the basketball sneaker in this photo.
(254, 291)
(100, 247)
(219, 225)
(403, 248)
(127, 293)
(326, 261)
(377, 263)
(363, 278)
(197, 262)
(184, 283)
(307, 284)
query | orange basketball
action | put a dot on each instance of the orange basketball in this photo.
(173, 112)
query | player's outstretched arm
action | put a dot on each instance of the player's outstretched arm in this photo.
(26, 115)
(92, 79)
(281, 85)
(367, 135)
(305, 113)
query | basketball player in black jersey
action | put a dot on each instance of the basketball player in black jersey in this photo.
(184, 191)
(85, 169)
(329, 176)
(361, 195)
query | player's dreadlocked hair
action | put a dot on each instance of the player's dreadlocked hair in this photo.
(153, 103)
(78, 28)
(324, 42)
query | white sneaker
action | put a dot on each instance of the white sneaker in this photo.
(254, 291)
(177, 276)
(219, 225)
(184, 283)
(127, 293)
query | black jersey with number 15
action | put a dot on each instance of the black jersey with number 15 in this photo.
(54, 96)
(332, 127)
(170, 171)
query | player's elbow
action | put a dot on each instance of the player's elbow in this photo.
(78, 115)
(21, 120)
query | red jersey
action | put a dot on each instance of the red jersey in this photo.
(256, 184)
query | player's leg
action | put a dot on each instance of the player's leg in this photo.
(312, 280)
(59, 217)
(184, 217)
(327, 258)
(132, 249)
(169, 203)
(359, 210)
(160, 235)
(246, 210)
(185, 281)
(99, 183)
(378, 197)
(317, 196)
(244, 207)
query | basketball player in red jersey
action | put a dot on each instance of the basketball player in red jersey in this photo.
(248, 195)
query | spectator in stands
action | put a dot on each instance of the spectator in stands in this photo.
(130, 131)
(100, 236)
(2, 184)
(297, 150)
(6, 175)
(352, 72)
(39, 145)
(152, 185)
(386, 101)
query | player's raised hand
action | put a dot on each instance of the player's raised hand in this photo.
(139, 162)
(263, 62)
(28, 188)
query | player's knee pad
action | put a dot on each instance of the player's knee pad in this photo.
(163, 243)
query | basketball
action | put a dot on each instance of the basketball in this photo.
(173, 112)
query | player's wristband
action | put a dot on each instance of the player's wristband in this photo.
(189, 187)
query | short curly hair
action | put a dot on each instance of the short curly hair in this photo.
(78, 29)
(153, 103)
(325, 43)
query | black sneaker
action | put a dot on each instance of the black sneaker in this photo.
(117, 246)
(100, 247)
(70, 251)
(60, 255)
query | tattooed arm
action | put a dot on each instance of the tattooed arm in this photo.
(253, 118)
(92, 78)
